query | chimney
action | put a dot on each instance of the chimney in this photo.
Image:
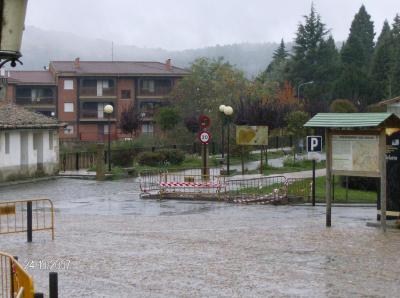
(77, 63)
(168, 65)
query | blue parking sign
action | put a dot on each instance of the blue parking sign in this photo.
(314, 143)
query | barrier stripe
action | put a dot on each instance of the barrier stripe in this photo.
(191, 184)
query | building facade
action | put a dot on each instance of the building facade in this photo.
(76, 92)
(29, 143)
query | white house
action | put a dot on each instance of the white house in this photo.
(29, 145)
(392, 105)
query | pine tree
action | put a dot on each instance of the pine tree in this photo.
(356, 57)
(275, 70)
(280, 54)
(305, 51)
(396, 56)
(383, 65)
(327, 70)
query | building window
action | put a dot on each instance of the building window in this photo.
(7, 142)
(148, 86)
(106, 129)
(68, 85)
(51, 140)
(69, 130)
(125, 94)
(68, 107)
(147, 128)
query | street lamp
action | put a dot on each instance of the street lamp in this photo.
(227, 113)
(221, 109)
(298, 89)
(108, 109)
(12, 14)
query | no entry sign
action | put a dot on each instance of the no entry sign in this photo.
(204, 137)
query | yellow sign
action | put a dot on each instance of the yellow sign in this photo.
(7, 210)
(251, 135)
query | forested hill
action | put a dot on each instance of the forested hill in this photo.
(41, 46)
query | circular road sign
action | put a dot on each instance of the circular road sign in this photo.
(204, 137)
(205, 121)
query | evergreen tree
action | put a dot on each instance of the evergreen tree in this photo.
(309, 36)
(327, 70)
(356, 56)
(396, 56)
(383, 65)
(275, 70)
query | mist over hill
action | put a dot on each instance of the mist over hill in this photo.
(41, 46)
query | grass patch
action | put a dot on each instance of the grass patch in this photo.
(298, 166)
(354, 196)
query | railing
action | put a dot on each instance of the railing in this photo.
(15, 216)
(15, 282)
(50, 100)
(77, 160)
(92, 91)
(299, 187)
(93, 114)
(255, 187)
(158, 91)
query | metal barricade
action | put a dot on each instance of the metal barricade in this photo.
(15, 282)
(255, 188)
(299, 187)
(14, 216)
(196, 184)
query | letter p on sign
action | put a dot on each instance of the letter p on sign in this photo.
(314, 144)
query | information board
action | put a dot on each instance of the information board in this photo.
(251, 135)
(358, 153)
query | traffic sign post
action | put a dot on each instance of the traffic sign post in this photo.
(204, 137)
(314, 146)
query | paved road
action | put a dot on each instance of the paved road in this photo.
(121, 246)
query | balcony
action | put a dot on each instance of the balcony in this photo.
(96, 87)
(94, 115)
(93, 92)
(157, 87)
(35, 101)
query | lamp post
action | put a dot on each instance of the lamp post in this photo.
(228, 111)
(108, 109)
(221, 109)
(298, 89)
(12, 14)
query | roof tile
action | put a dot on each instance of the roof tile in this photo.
(13, 116)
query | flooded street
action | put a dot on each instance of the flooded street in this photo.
(118, 245)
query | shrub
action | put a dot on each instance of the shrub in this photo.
(123, 158)
(161, 157)
(173, 156)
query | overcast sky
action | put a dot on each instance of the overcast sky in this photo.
(183, 24)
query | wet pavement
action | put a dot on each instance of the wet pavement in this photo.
(117, 245)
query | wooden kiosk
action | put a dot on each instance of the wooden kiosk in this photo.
(356, 145)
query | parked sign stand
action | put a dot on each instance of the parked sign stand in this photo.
(356, 146)
(314, 148)
(252, 136)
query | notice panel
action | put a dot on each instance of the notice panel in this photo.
(358, 153)
(251, 135)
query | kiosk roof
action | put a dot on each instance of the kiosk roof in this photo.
(353, 120)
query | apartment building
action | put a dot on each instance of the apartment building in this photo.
(76, 92)
(35, 90)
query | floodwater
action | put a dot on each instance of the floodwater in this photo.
(117, 245)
